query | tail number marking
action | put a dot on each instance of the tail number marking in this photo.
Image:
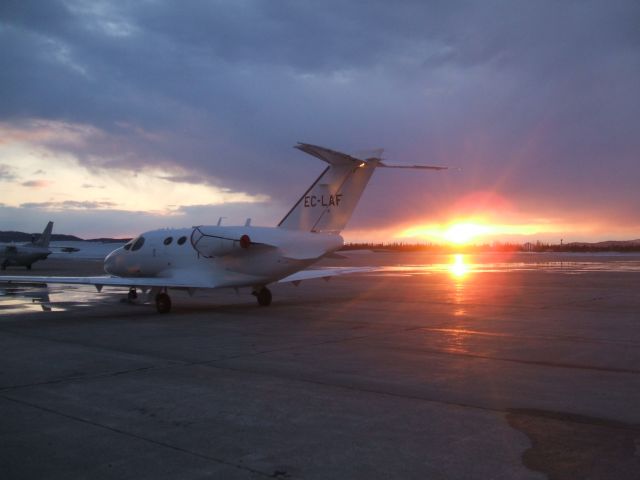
(322, 200)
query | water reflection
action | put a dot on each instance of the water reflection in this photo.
(459, 269)
(32, 298)
(19, 298)
(459, 266)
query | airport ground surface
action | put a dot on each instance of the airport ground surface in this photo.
(498, 374)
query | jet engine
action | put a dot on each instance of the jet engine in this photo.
(209, 245)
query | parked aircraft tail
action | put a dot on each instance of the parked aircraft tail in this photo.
(43, 241)
(329, 203)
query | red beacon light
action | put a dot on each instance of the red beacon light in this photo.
(245, 241)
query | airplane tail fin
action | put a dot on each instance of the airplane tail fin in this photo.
(43, 241)
(329, 203)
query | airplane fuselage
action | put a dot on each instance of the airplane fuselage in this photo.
(221, 256)
(22, 255)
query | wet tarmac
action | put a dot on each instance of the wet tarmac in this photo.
(502, 367)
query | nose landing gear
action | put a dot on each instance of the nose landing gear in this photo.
(132, 296)
(264, 296)
(163, 302)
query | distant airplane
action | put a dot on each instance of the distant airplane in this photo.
(216, 256)
(26, 254)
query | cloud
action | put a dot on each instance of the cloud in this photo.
(69, 205)
(185, 179)
(36, 183)
(6, 173)
(537, 101)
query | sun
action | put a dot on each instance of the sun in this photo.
(463, 233)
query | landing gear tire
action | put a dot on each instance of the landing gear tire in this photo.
(132, 296)
(163, 303)
(264, 297)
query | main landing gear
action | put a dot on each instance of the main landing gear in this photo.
(264, 296)
(163, 302)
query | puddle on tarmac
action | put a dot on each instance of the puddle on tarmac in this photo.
(569, 446)
(33, 298)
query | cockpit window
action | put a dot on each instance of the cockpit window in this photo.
(181, 240)
(168, 240)
(128, 245)
(137, 245)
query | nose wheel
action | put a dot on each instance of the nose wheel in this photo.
(163, 302)
(132, 296)
(263, 296)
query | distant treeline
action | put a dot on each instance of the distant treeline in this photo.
(496, 247)
(7, 237)
(21, 237)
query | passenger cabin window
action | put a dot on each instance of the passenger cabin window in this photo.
(168, 240)
(181, 240)
(137, 245)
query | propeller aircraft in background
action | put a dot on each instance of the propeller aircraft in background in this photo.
(26, 254)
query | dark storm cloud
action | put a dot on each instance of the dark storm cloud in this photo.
(537, 100)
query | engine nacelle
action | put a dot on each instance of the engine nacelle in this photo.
(210, 246)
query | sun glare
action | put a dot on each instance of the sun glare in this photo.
(467, 231)
(459, 268)
(459, 233)
(462, 233)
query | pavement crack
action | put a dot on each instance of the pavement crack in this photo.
(138, 437)
(76, 378)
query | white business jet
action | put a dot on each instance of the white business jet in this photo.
(25, 254)
(207, 257)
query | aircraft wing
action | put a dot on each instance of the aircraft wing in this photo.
(324, 273)
(179, 281)
(102, 281)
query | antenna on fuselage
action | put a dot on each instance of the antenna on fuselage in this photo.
(220, 221)
(247, 223)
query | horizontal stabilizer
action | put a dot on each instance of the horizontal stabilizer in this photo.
(330, 156)
(417, 167)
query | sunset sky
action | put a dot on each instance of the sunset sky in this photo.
(119, 117)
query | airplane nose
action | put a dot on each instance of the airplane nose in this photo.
(110, 263)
